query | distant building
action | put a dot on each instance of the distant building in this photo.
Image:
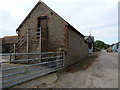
(119, 47)
(6, 42)
(0, 45)
(116, 47)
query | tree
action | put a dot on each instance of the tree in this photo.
(100, 45)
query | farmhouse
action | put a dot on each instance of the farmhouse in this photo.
(43, 30)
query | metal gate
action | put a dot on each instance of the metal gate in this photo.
(16, 71)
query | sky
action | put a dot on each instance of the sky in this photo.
(98, 17)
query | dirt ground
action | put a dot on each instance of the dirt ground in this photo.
(103, 73)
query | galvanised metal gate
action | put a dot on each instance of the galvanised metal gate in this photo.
(18, 71)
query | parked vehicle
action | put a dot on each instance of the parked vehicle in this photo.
(109, 50)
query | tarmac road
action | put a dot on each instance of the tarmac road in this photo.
(102, 74)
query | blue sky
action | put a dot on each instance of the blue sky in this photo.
(98, 16)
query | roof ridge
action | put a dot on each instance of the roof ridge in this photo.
(40, 1)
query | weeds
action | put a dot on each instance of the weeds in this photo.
(83, 63)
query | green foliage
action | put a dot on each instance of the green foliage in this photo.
(100, 45)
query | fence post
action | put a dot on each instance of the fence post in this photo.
(27, 44)
(63, 59)
(40, 43)
(14, 50)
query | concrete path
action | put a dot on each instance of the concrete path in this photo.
(102, 74)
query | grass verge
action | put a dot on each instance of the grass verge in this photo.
(83, 63)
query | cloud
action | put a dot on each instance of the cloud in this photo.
(7, 24)
(99, 16)
(86, 1)
(18, 9)
(12, 13)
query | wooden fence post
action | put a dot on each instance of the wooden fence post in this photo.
(14, 50)
(27, 44)
(40, 43)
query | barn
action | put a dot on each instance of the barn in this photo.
(43, 30)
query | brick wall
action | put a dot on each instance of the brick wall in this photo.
(55, 32)
(76, 48)
(55, 29)
(60, 37)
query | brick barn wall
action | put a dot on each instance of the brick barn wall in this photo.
(59, 37)
(55, 29)
(76, 47)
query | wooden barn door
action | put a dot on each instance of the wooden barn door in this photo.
(43, 25)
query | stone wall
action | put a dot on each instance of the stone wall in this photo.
(60, 37)
(55, 32)
(55, 29)
(76, 47)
